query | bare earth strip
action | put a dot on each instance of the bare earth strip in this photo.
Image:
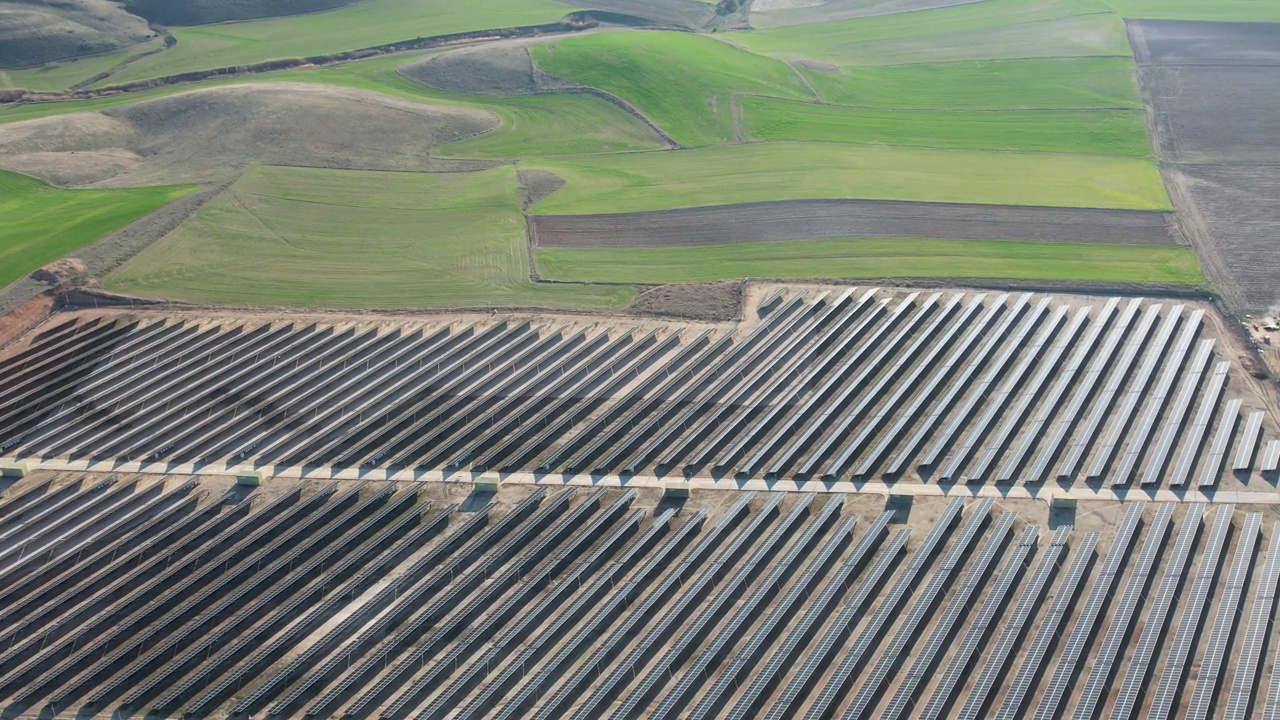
(852, 218)
(1214, 92)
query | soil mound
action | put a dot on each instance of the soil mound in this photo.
(207, 135)
(200, 12)
(34, 32)
(487, 70)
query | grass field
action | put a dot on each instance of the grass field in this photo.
(874, 258)
(40, 223)
(353, 239)
(1037, 83)
(985, 30)
(1103, 132)
(364, 24)
(680, 81)
(795, 171)
(62, 75)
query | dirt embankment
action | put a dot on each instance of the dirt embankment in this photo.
(789, 220)
(207, 135)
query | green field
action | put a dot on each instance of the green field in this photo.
(40, 223)
(991, 29)
(1102, 132)
(874, 258)
(795, 171)
(353, 239)
(680, 81)
(364, 24)
(1037, 83)
(62, 75)
(1209, 10)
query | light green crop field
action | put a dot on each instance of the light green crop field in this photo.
(62, 75)
(364, 24)
(1036, 83)
(40, 223)
(874, 258)
(985, 30)
(681, 81)
(794, 171)
(354, 239)
(1103, 132)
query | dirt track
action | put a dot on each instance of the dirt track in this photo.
(852, 218)
(1214, 91)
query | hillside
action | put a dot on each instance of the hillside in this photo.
(33, 32)
(203, 12)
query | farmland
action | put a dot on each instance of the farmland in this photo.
(452, 239)
(793, 171)
(1101, 132)
(874, 258)
(40, 223)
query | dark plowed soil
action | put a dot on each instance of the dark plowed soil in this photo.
(715, 301)
(852, 218)
(200, 12)
(1214, 91)
(489, 70)
(1170, 42)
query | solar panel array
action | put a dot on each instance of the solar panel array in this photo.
(836, 384)
(134, 596)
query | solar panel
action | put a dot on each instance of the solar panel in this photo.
(1057, 438)
(969, 366)
(924, 659)
(1243, 684)
(1135, 679)
(941, 365)
(1221, 443)
(1271, 457)
(979, 697)
(1052, 402)
(1155, 400)
(808, 623)
(1248, 441)
(1195, 433)
(1104, 405)
(1122, 619)
(1224, 623)
(1121, 411)
(889, 606)
(1176, 416)
(824, 651)
(1191, 619)
(1100, 592)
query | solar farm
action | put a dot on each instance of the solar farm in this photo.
(823, 385)
(854, 502)
(164, 596)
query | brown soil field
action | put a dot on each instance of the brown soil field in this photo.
(204, 135)
(852, 218)
(713, 302)
(681, 13)
(1214, 93)
(33, 32)
(492, 69)
(201, 12)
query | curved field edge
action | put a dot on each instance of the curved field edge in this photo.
(726, 175)
(301, 237)
(876, 258)
(40, 223)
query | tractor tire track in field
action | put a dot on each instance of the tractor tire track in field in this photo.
(815, 219)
